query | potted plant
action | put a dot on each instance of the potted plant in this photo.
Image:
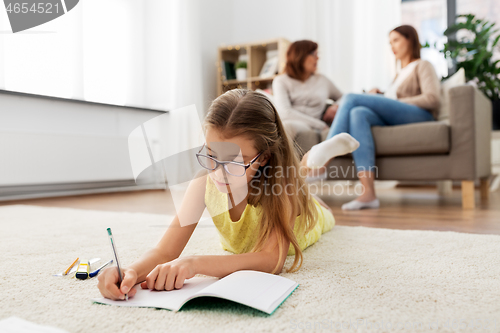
(241, 70)
(474, 53)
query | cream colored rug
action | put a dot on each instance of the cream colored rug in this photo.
(355, 279)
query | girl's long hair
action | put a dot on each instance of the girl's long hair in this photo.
(252, 115)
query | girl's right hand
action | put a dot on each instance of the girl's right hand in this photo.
(108, 283)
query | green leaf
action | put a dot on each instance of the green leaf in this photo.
(475, 55)
(495, 41)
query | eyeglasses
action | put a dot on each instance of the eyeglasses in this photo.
(314, 53)
(233, 168)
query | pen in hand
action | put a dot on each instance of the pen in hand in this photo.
(120, 275)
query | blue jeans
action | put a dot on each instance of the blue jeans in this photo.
(359, 112)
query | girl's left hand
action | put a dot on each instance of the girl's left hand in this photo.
(170, 275)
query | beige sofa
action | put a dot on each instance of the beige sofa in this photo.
(457, 148)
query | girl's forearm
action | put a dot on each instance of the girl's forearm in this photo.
(147, 262)
(222, 265)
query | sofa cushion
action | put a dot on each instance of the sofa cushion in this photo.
(430, 137)
(455, 80)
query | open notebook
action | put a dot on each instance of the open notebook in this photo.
(259, 290)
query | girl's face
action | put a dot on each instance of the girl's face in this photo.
(311, 62)
(237, 149)
(399, 44)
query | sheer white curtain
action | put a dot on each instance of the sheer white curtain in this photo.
(125, 52)
(39, 60)
(113, 51)
(353, 40)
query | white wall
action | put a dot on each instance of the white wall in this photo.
(239, 21)
(217, 23)
(261, 19)
(352, 36)
(40, 144)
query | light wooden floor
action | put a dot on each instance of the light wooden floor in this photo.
(401, 208)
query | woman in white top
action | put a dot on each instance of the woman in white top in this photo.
(300, 93)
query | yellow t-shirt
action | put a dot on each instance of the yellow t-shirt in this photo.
(241, 236)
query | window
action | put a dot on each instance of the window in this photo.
(482, 9)
(429, 18)
(85, 54)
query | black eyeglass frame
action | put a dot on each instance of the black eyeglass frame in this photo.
(224, 163)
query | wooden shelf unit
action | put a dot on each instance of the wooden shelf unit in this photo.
(256, 54)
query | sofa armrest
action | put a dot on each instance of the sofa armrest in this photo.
(470, 127)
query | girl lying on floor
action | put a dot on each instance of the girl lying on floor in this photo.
(253, 189)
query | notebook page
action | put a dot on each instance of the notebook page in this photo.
(253, 288)
(172, 300)
(281, 299)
